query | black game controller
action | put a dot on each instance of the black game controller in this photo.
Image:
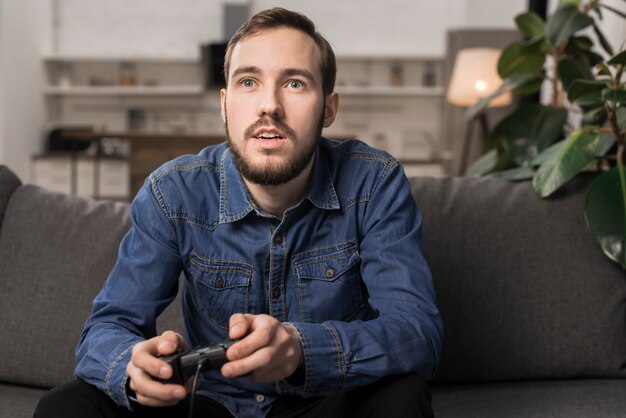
(185, 362)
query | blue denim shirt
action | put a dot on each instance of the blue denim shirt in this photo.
(344, 266)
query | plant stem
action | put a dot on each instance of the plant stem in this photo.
(621, 161)
(622, 180)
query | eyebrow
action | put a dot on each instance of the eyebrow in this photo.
(288, 72)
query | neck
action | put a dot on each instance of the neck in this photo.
(277, 199)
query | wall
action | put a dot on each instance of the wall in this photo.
(24, 27)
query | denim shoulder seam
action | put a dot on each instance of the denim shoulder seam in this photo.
(192, 221)
(156, 177)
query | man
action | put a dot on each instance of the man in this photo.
(303, 250)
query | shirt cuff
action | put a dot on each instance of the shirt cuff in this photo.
(116, 379)
(324, 359)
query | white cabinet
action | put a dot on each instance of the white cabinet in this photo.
(101, 178)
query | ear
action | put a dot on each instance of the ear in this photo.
(223, 104)
(332, 106)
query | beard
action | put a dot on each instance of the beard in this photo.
(275, 173)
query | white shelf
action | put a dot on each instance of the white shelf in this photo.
(114, 59)
(390, 57)
(190, 90)
(410, 91)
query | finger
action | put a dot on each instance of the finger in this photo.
(263, 331)
(151, 392)
(239, 324)
(169, 342)
(260, 359)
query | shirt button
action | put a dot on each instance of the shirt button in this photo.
(259, 397)
(276, 293)
(278, 239)
(330, 273)
(219, 282)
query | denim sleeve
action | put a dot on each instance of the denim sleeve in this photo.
(406, 335)
(142, 283)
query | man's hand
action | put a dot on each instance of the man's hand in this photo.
(267, 351)
(144, 367)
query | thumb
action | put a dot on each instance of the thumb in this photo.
(170, 341)
(239, 325)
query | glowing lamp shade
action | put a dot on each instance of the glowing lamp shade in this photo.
(475, 76)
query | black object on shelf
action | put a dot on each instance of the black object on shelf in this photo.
(57, 142)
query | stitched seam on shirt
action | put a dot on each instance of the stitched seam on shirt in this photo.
(389, 162)
(192, 221)
(350, 247)
(107, 379)
(341, 365)
(224, 263)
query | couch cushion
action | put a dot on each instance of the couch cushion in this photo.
(18, 401)
(8, 183)
(566, 399)
(524, 291)
(55, 253)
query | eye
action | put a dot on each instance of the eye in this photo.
(247, 82)
(295, 84)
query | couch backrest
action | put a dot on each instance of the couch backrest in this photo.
(524, 291)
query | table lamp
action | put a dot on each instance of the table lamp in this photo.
(475, 76)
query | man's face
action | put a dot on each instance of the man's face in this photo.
(274, 108)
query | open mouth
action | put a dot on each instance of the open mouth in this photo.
(269, 136)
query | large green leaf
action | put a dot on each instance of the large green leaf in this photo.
(531, 129)
(484, 164)
(570, 70)
(579, 48)
(615, 96)
(577, 152)
(521, 58)
(586, 89)
(618, 59)
(565, 21)
(531, 24)
(548, 154)
(605, 213)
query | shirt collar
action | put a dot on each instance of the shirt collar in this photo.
(236, 203)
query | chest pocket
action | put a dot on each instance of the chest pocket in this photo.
(221, 288)
(329, 283)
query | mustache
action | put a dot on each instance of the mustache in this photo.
(265, 122)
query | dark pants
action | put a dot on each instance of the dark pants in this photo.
(391, 397)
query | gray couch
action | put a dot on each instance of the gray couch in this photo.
(534, 314)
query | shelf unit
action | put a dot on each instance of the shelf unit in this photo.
(121, 76)
(395, 102)
(390, 102)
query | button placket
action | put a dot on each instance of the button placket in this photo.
(276, 274)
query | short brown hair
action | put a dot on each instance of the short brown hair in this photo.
(278, 17)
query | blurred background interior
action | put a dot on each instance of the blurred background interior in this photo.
(96, 94)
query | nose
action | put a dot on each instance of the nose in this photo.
(270, 103)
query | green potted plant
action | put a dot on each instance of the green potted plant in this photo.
(583, 128)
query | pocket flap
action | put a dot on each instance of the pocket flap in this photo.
(219, 275)
(328, 263)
